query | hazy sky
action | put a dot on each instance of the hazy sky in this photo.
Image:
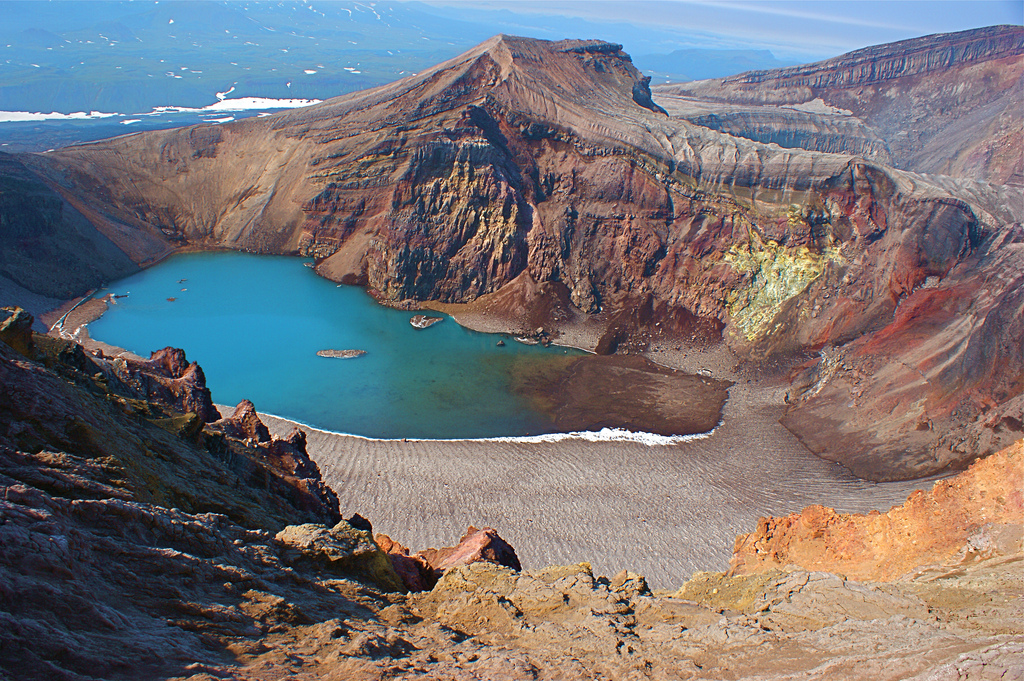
(787, 27)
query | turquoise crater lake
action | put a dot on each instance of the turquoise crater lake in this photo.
(255, 324)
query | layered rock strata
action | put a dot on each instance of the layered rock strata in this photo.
(948, 103)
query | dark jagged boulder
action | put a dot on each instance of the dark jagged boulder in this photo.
(282, 466)
(168, 377)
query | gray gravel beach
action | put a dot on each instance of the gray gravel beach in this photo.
(662, 511)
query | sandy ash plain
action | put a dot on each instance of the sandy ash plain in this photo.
(662, 510)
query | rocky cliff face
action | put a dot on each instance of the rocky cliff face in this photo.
(540, 182)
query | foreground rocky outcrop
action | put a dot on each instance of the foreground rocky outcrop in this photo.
(539, 184)
(136, 548)
(58, 398)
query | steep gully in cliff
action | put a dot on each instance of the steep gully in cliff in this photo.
(523, 181)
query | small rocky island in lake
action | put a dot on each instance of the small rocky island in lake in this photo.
(422, 321)
(341, 354)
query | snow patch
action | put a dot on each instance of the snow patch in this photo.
(224, 105)
(819, 106)
(238, 104)
(22, 116)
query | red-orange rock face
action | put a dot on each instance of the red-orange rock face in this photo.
(931, 528)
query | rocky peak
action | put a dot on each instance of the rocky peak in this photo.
(245, 424)
(519, 72)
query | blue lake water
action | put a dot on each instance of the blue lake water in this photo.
(255, 324)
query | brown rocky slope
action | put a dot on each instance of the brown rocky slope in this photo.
(526, 165)
(139, 543)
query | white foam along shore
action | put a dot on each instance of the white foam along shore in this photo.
(603, 435)
(222, 105)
